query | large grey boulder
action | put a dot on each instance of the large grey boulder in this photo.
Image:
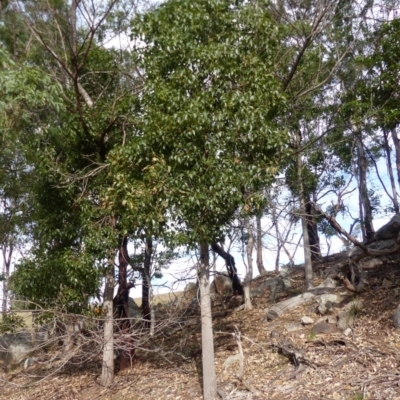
(271, 289)
(222, 285)
(390, 230)
(14, 347)
(190, 291)
(325, 302)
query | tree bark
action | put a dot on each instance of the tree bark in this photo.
(363, 189)
(147, 290)
(207, 340)
(396, 143)
(390, 171)
(7, 257)
(249, 272)
(313, 234)
(260, 265)
(306, 240)
(121, 304)
(107, 374)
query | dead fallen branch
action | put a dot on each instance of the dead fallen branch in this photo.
(295, 356)
(367, 251)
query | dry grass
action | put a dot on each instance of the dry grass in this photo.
(164, 298)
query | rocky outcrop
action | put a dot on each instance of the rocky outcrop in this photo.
(282, 307)
(222, 285)
(390, 230)
(271, 289)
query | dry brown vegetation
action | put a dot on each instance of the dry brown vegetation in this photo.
(362, 365)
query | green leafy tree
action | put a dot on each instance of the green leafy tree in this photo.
(209, 135)
(26, 95)
(77, 234)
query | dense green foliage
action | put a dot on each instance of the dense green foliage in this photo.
(209, 113)
(191, 126)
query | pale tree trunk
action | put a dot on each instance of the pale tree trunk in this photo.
(260, 265)
(147, 300)
(207, 340)
(249, 269)
(390, 171)
(363, 189)
(396, 143)
(7, 257)
(107, 374)
(361, 212)
(278, 258)
(306, 240)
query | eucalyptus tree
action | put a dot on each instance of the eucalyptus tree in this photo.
(209, 134)
(306, 67)
(359, 26)
(380, 85)
(26, 97)
(77, 233)
(321, 42)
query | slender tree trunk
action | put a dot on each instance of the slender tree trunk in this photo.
(363, 189)
(260, 265)
(107, 374)
(207, 340)
(121, 305)
(396, 143)
(361, 212)
(147, 289)
(313, 234)
(280, 240)
(249, 272)
(306, 240)
(390, 171)
(7, 257)
(278, 257)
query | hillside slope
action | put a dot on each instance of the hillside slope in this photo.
(352, 352)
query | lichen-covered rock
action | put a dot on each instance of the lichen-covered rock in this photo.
(389, 230)
(190, 291)
(305, 320)
(293, 326)
(325, 303)
(222, 285)
(345, 320)
(271, 289)
(15, 346)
